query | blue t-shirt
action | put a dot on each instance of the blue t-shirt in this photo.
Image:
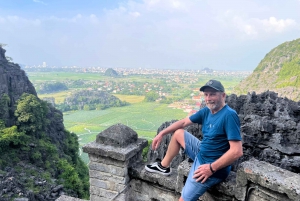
(217, 129)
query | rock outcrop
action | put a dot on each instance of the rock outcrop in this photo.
(13, 82)
(21, 177)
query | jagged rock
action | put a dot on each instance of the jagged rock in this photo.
(57, 188)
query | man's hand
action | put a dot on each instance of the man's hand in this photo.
(156, 141)
(202, 173)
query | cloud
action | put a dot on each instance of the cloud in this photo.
(135, 14)
(280, 25)
(167, 5)
(15, 21)
(151, 33)
(41, 2)
(255, 28)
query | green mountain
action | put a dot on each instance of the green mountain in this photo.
(39, 158)
(279, 71)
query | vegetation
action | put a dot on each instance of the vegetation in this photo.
(51, 87)
(27, 141)
(289, 74)
(144, 118)
(278, 71)
(90, 100)
(151, 96)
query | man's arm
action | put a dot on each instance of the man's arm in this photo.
(170, 129)
(235, 151)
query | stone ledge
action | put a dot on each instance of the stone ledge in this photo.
(139, 172)
(175, 181)
(269, 177)
(118, 153)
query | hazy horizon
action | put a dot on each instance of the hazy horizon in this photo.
(158, 34)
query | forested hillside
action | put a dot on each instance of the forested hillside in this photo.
(39, 159)
(279, 71)
(90, 100)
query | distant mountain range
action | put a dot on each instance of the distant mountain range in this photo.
(279, 71)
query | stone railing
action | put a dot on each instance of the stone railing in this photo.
(117, 173)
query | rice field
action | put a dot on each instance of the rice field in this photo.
(144, 118)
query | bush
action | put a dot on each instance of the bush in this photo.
(145, 150)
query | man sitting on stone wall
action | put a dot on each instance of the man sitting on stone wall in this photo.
(220, 147)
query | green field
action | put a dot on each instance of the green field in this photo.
(39, 77)
(144, 118)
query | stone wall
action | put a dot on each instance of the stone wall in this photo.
(269, 169)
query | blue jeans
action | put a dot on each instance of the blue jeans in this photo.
(192, 189)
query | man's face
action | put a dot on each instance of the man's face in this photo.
(214, 99)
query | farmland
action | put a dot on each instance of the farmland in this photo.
(144, 118)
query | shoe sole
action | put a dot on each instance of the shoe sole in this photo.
(156, 171)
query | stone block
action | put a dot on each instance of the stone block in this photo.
(151, 191)
(168, 182)
(100, 192)
(270, 177)
(117, 153)
(118, 171)
(107, 160)
(108, 177)
(117, 135)
(107, 185)
(259, 193)
(98, 198)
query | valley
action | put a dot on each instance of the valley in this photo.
(144, 117)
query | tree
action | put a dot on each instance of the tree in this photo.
(151, 96)
(31, 114)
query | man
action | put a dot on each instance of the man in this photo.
(220, 147)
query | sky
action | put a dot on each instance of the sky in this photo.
(165, 34)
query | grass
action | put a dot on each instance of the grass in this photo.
(130, 98)
(59, 96)
(144, 118)
(38, 77)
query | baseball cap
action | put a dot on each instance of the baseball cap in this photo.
(215, 84)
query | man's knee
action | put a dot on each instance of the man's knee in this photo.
(179, 136)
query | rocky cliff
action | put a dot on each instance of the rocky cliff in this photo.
(37, 168)
(13, 82)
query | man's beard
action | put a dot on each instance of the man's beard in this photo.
(213, 106)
